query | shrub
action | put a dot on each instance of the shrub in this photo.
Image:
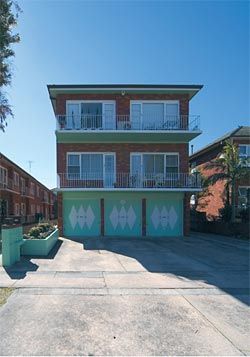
(45, 227)
(41, 231)
(226, 213)
(245, 214)
(35, 231)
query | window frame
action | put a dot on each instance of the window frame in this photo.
(245, 156)
(17, 209)
(164, 102)
(239, 195)
(4, 169)
(155, 153)
(90, 153)
(103, 102)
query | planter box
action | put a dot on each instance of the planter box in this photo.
(40, 246)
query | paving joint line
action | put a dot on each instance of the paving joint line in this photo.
(210, 322)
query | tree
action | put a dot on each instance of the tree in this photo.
(9, 11)
(229, 167)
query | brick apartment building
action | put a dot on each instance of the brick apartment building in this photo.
(214, 201)
(122, 159)
(22, 197)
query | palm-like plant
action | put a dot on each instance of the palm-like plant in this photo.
(229, 167)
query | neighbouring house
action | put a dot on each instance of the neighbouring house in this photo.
(22, 197)
(122, 159)
(215, 198)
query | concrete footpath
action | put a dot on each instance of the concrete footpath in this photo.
(130, 297)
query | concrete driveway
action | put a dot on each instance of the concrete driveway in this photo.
(130, 297)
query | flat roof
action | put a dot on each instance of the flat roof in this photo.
(55, 89)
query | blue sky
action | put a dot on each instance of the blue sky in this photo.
(167, 42)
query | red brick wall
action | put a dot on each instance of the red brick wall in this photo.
(122, 102)
(14, 196)
(216, 193)
(122, 153)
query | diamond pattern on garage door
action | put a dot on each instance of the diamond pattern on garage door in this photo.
(81, 217)
(123, 217)
(164, 217)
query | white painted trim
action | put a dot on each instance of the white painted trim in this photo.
(104, 131)
(131, 189)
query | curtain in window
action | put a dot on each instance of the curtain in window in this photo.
(92, 166)
(91, 115)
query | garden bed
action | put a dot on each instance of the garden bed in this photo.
(40, 246)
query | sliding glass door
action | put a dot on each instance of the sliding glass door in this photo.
(91, 115)
(155, 115)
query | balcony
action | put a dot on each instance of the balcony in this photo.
(9, 185)
(128, 182)
(89, 127)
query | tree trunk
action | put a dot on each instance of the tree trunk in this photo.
(233, 201)
(227, 196)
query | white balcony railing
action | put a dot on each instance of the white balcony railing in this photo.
(127, 181)
(126, 122)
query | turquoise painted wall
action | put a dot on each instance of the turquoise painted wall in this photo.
(40, 247)
(127, 222)
(12, 239)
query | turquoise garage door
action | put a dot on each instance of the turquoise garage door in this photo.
(164, 217)
(122, 217)
(81, 217)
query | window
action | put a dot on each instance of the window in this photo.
(23, 209)
(22, 182)
(3, 175)
(149, 115)
(172, 164)
(17, 209)
(244, 154)
(37, 191)
(32, 208)
(46, 196)
(16, 179)
(165, 164)
(32, 189)
(91, 166)
(37, 209)
(73, 166)
(244, 197)
(90, 115)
